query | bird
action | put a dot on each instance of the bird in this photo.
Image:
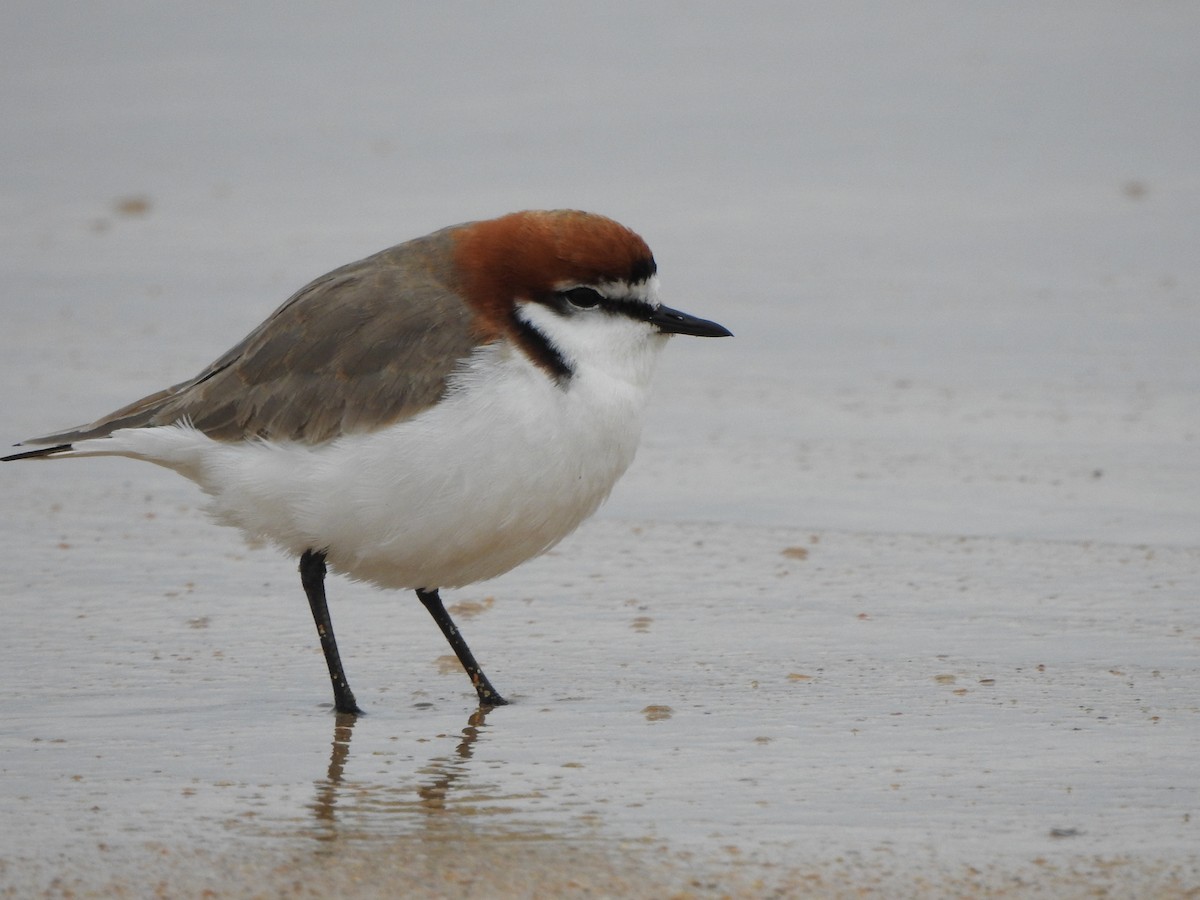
(426, 418)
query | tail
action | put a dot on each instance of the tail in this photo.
(139, 414)
(40, 453)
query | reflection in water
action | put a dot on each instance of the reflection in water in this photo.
(446, 771)
(327, 790)
(353, 809)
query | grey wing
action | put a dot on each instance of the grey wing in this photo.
(363, 347)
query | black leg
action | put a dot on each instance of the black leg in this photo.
(312, 576)
(488, 695)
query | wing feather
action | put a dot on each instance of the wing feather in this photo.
(360, 348)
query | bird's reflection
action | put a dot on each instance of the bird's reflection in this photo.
(324, 808)
(446, 771)
(437, 781)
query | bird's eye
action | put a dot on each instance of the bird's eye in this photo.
(582, 297)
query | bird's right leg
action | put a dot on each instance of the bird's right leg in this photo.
(312, 576)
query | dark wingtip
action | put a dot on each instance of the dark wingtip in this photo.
(40, 452)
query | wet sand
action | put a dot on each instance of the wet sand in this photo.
(701, 709)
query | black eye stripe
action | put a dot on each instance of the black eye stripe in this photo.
(590, 298)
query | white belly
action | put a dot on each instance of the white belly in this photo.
(507, 465)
